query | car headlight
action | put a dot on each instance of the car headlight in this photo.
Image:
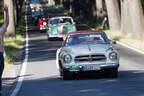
(113, 55)
(50, 29)
(73, 29)
(67, 58)
(44, 23)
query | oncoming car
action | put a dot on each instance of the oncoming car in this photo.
(87, 51)
(43, 25)
(58, 26)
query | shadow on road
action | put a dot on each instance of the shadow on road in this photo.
(40, 48)
(129, 83)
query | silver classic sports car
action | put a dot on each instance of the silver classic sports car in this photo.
(87, 51)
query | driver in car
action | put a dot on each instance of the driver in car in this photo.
(97, 40)
(74, 41)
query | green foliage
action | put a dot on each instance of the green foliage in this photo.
(12, 44)
(142, 1)
(1, 20)
(11, 47)
(21, 27)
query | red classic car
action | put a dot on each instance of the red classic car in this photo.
(43, 25)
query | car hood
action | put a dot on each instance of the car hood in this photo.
(89, 49)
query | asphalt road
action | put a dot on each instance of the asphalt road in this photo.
(42, 78)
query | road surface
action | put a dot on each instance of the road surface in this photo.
(42, 78)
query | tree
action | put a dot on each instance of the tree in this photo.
(51, 2)
(132, 18)
(11, 27)
(113, 14)
(76, 7)
(100, 11)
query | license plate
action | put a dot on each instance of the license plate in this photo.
(74, 68)
(91, 67)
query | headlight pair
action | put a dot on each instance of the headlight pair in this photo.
(113, 56)
(67, 58)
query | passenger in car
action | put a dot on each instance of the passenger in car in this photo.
(97, 40)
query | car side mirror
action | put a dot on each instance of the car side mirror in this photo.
(114, 42)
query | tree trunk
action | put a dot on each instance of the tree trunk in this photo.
(126, 21)
(76, 7)
(137, 18)
(11, 27)
(100, 10)
(132, 18)
(51, 2)
(61, 2)
(15, 12)
(113, 14)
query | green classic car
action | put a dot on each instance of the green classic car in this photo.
(58, 26)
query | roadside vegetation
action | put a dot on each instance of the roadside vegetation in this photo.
(12, 44)
(1, 20)
(14, 36)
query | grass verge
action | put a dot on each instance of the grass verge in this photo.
(1, 20)
(12, 44)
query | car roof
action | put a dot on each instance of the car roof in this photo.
(61, 17)
(81, 32)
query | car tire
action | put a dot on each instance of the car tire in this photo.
(113, 73)
(66, 75)
(61, 73)
(60, 69)
(41, 31)
(49, 39)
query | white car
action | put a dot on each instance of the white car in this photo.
(87, 51)
(58, 26)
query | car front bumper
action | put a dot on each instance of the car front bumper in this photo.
(43, 28)
(56, 36)
(90, 67)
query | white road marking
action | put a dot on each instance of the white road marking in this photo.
(24, 65)
(129, 47)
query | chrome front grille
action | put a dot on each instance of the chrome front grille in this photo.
(90, 58)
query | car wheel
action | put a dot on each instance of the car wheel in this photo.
(66, 75)
(49, 39)
(60, 69)
(61, 73)
(41, 31)
(113, 73)
(44, 31)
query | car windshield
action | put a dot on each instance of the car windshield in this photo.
(61, 21)
(54, 21)
(88, 38)
(66, 21)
